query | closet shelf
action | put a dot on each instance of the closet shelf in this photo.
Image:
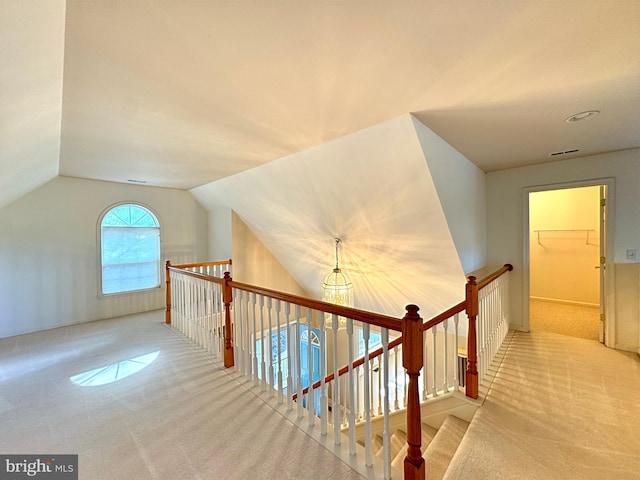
(544, 230)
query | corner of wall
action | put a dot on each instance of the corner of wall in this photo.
(462, 192)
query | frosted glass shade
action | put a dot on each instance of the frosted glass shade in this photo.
(337, 289)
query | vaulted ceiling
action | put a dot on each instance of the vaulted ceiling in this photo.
(180, 93)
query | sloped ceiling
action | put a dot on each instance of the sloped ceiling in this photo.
(180, 93)
(373, 190)
(31, 59)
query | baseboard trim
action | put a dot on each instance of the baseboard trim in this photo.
(565, 302)
(627, 348)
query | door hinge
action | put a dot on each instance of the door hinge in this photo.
(602, 317)
(603, 202)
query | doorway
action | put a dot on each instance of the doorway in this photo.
(567, 239)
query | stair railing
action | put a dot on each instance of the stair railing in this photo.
(196, 305)
(487, 306)
(451, 355)
(275, 338)
(443, 338)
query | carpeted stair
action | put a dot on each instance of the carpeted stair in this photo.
(438, 446)
(441, 449)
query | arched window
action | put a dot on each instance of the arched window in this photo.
(130, 249)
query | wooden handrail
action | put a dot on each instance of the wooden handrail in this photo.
(203, 264)
(438, 319)
(507, 267)
(372, 318)
(201, 276)
(377, 319)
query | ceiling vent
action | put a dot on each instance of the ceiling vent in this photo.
(564, 152)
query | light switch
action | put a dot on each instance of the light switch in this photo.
(632, 255)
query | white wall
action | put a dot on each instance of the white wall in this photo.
(564, 241)
(505, 225)
(32, 35)
(220, 236)
(49, 259)
(461, 190)
(253, 263)
(374, 190)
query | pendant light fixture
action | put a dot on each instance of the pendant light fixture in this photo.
(336, 287)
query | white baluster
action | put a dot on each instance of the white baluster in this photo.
(445, 362)
(254, 357)
(270, 343)
(359, 407)
(456, 346)
(434, 354)
(237, 331)
(425, 369)
(337, 407)
(367, 398)
(250, 312)
(219, 319)
(290, 350)
(187, 307)
(324, 401)
(386, 434)
(310, 396)
(208, 331)
(198, 299)
(378, 387)
(396, 360)
(352, 390)
(194, 311)
(279, 363)
(263, 370)
(298, 362)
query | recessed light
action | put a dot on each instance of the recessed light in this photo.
(582, 116)
(136, 181)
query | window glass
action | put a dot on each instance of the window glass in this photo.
(130, 249)
(375, 341)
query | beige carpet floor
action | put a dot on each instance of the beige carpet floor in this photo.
(179, 417)
(565, 319)
(559, 408)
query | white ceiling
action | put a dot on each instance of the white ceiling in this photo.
(180, 93)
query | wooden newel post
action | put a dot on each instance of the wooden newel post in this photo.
(228, 342)
(471, 296)
(412, 351)
(167, 277)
